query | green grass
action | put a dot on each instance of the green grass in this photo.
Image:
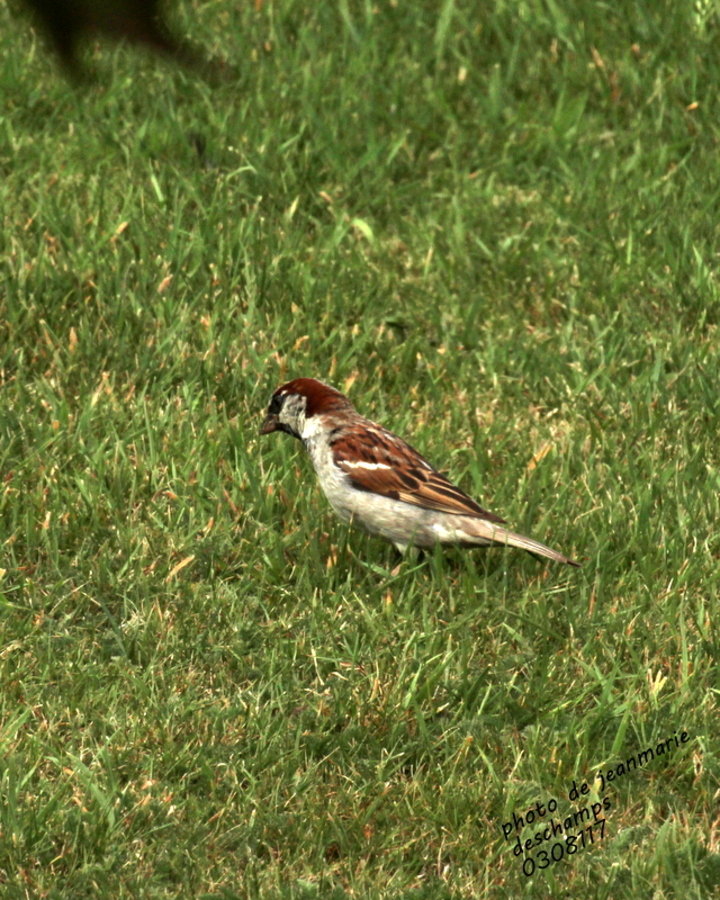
(496, 226)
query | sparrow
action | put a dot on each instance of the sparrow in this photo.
(68, 22)
(374, 479)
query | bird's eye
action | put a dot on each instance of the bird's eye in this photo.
(276, 404)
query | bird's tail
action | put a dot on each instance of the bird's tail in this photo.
(488, 532)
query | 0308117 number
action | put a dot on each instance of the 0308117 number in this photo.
(572, 844)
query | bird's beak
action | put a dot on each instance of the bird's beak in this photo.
(270, 424)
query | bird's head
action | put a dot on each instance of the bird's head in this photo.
(294, 404)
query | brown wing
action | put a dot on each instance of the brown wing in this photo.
(377, 461)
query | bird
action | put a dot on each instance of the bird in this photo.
(67, 22)
(374, 479)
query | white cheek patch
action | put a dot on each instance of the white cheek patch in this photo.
(310, 427)
(360, 464)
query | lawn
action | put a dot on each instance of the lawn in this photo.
(495, 226)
